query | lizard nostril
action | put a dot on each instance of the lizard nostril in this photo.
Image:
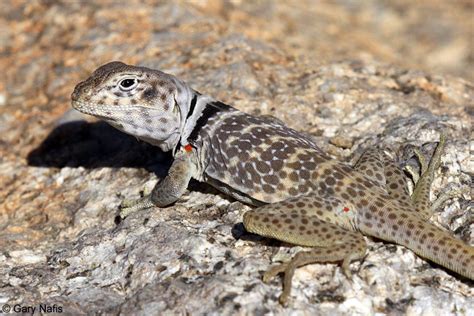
(79, 90)
(75, 94)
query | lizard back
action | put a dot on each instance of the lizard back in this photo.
(255, 159)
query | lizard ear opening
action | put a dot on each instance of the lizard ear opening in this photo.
(177, 110)
(176, 107)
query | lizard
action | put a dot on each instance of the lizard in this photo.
(301, 195)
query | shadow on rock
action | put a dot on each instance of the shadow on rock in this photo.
(95, 145)
(238, 231)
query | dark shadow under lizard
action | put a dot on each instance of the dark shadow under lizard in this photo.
(96, 145)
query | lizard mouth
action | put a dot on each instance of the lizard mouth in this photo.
(103, 113)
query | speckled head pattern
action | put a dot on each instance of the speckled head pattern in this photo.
(143, 102)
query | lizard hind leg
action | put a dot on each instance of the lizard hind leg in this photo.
(344, 252)
(379, 167)
(301, 226)
(396, 182)
(371, 166)
(421, 193)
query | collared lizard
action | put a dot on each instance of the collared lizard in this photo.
(303, 196)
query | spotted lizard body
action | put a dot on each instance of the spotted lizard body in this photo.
(302, 196)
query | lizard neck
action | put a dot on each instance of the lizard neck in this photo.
(201, 109)
(197, 107)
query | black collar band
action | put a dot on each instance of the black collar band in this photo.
(209, 111)
(192, 106)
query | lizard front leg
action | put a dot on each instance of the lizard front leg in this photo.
(169, 189)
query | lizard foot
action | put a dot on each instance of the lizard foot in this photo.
(131, 206)
(288, 269)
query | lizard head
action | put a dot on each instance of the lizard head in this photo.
(143, 102)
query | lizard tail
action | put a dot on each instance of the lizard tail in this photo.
(406, 228)
(442, 248)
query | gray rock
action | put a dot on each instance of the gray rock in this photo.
(63, 177)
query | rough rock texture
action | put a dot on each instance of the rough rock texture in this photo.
(63, 175)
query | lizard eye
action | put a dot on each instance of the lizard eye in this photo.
(128, 84)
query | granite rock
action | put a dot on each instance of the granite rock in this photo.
(64, 175)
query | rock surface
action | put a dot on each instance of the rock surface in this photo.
(63, 175)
